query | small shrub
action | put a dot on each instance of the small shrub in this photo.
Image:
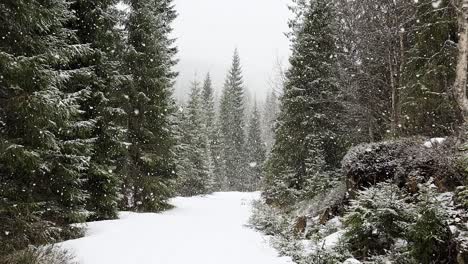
(39, 255)
(334, 255)
(268, 219)
(26, 224)
(461, 197)
(376, 219)
(430, 239)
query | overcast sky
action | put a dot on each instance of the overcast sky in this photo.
(208, 31)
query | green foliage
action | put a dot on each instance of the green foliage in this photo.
(429, 235)
(255, 151)
(42, 164)
(461, 197)
(41, 255)
(231, 122)
(337, 254)
(96, 25)
(267, 219)
(212, 132)
(376, 218)
(429, 72)
(382, 215)
(270, 114)
(307, 139)
(71, 143)
(277, 224)
(195, 174)
(149, 168)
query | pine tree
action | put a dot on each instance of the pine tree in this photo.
(308, 138)
(429, 71)
(212, 134)
(429, 234)
(96, 26)
(270, 114)
(42, 165)
(208, 106)
(255, 150)
(376, 219)
(194, 174)
(232, 127)
(217, 146)
(150, 167)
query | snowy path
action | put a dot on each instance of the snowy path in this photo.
(200, 230)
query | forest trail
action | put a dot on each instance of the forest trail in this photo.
(200, 230)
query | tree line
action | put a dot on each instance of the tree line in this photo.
(89, 125)
(370, 84)
(222, 141)
(85, 115)
(361, 71)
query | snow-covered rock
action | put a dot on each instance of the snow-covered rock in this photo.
(407, 162)
(332, 240)
(352, 261)
(433, 142)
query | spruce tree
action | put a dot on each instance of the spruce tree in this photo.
(149, 169)
(42, 165)
(208, 107)
(211, 133)
(232, 127)
(255, 150)
(194, 175)
(307, 139)
(429, 71)
(270, 115)
(96, 25)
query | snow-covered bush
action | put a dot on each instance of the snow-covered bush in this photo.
(289, 246)
(461, 197)
(407, 162)
(334, 255)
(429, 236)
(385, 225)
(21, 227)
(328, 201)
(280, 226)
(39, 255)
(376, 219)
(268, 219)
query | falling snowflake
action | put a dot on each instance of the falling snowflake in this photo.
(436, 4)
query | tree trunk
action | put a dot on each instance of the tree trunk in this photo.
(394, 89)
(459, 87)
(462, 64)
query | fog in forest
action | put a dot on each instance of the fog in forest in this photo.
(208, 31)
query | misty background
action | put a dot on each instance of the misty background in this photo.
(208, 31)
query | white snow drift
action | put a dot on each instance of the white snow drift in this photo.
(200, 230)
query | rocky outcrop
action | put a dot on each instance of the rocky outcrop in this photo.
(406, 162)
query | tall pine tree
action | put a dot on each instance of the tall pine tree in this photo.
(96, 25)
(150, 167)
(195, 176)
(42, 165)
(270, 114)
(429, 73)
(307, 139)
(255, 150)
(232, 127)
(212, 134)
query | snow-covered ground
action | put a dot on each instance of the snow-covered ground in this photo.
(200, 230)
